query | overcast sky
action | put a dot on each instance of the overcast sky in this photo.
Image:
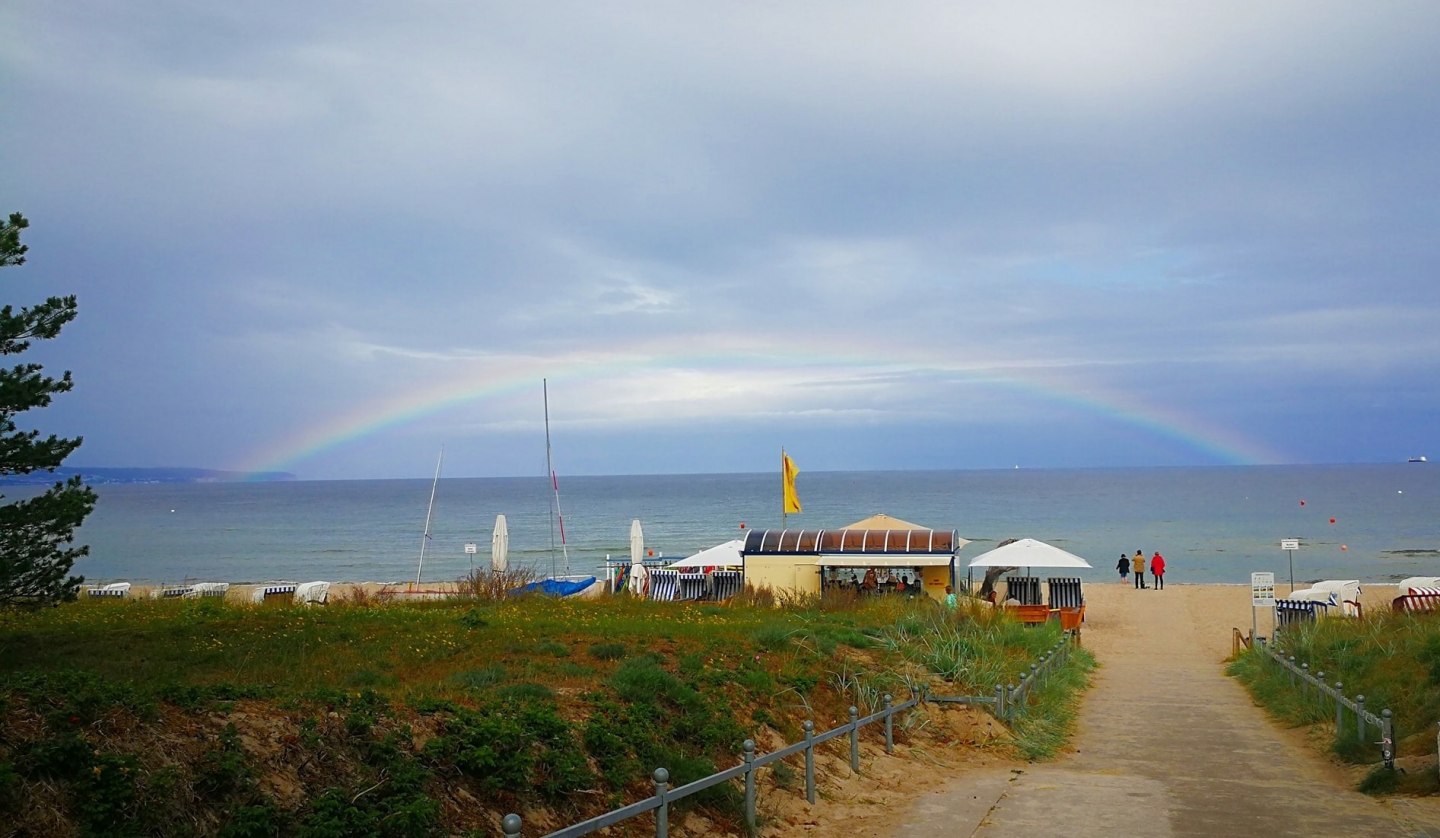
(330, 237)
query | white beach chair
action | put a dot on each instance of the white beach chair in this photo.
(272, 590)
(312, 593)
(1346, 595)
(208, 589)
(1417, 582)
(115, 590)
(170, 592)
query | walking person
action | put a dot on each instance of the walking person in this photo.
(1157, 570)
(1137, 567)
(1124, 567)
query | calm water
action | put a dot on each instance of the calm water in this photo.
(1214, 524)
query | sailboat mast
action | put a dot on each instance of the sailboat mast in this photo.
(555, 511)
(425, 538)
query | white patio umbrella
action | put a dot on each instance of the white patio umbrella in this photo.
(721, 555)
(499, 545)
(1027, 552)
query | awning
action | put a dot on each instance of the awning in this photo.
(721, 555)
(886, 560)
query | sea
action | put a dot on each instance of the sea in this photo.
(1215, 524)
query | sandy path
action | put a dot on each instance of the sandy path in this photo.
(1166, 745)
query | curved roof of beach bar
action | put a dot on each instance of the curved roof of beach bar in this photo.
(787, 559)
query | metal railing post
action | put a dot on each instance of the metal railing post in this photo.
(1339, 709)
(854, 739)
(662, 814)
(999, 701)
(889, 726)
(1010, 707)
(1292, 670)
(748, 754)
(510, 825)
(809, 760)
(1360, 718)
(1305, 681)
(1320, 688)
(1387, 733)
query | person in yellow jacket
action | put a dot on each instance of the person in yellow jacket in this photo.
(1137, 567)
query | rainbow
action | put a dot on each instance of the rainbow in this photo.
(493, 381)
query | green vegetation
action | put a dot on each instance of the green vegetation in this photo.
(36, 534)
(1391, 659)
(202, 717)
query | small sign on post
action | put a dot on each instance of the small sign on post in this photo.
(1262, 595)
(470, 549)
(1290, 545)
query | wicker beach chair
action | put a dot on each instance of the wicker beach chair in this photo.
(726, 584)
(1344, 595)
(692, 585)
(312, 593)
(664, 584)
(208, 589)
(1417, 599)
(171, 592)
(1023, 589)
(273, 592)
(1291, 611)
(115, 590)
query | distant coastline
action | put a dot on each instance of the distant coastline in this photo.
(102, 476)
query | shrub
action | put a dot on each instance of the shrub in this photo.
(607, 651)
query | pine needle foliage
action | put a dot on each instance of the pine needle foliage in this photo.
(36, 534)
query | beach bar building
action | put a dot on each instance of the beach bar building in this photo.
(906, 555)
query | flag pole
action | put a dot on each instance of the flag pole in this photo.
(784, 517)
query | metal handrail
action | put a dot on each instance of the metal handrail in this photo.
(1006, 702)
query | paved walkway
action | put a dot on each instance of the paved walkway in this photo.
(1166, 746)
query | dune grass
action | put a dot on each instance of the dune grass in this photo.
(436, 716)
(1391, 659)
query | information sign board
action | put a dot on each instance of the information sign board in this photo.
(1289, 544)
(470, 548)
(1262, 590)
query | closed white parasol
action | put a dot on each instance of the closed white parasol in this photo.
(1027, 552)
(639, 574)
(500, 545)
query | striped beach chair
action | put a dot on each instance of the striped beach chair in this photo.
(692, 586)
(1065, 592)
(208, 589)
(273, 592)
(1418, 599)
(664, 585)
(726, 584)
(1023, 589)
(171, 592)
(1289, 612)
(115, 590)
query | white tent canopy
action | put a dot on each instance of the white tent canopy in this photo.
(721, 555)
(1027, 552)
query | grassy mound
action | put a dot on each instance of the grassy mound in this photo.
(198, 717)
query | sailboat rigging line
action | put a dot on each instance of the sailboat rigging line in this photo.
(555, 511)
(425, 537)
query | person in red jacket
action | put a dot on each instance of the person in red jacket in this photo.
(1157, 570)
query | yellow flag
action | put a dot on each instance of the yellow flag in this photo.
(788, 469)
